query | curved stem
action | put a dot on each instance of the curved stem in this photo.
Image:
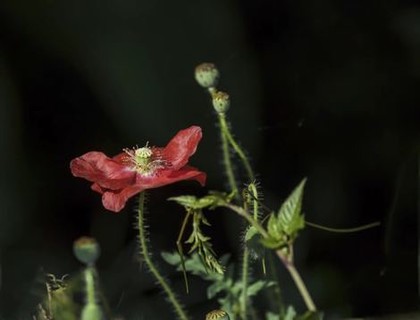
(298, 281)
(226, 132)
(144, 251)
(346, 230)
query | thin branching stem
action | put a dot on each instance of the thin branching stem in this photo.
(288, 263)
(181, 251)
(144, 252)
(345, 230)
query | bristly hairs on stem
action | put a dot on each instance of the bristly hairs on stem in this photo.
(146, 255)
(245, 270)
(228, 164)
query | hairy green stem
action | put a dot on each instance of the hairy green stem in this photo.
(245, 266)
(144, 251)
(288, 263)
(243, 213)
(226, 132)
(227, 161)
(255, 204)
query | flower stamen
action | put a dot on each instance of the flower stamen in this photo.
(144, 160)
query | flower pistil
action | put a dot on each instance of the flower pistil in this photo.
(144, 160)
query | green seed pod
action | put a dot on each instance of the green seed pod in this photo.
(221, 101)
(86, 250)
(217, 315)
(207, 75)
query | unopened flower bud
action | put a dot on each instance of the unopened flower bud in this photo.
(217, 315)
(86, 250)
(221, 101)
(207, 75)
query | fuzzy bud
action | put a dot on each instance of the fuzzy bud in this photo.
(86, 250)
(217, 315)
(221, 101)
(207, 75)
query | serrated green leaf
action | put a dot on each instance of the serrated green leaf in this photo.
(290, 217)
(273, 227)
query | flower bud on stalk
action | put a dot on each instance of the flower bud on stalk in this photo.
(86, 250)
(221, 102)
(207, 75)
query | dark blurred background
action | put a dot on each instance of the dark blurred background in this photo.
(324, 89)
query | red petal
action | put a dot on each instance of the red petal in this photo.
(182, 147)
(115, 200)
(168, 176)
(96, 187)
(106, 172)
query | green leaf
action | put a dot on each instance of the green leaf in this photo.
(257, 286)
(212, 200)
(214, 289)
(250, 233)
(290, 216)
(290, 313)
(272, 243)
(171, 258)
(207, 201)
(274, 228)
(185, 201)
(271, 316)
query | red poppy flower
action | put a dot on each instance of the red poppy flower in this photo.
(135, 170)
